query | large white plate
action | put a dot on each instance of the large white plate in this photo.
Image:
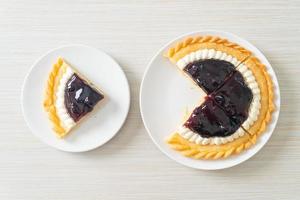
(165, 95)
(103, 123)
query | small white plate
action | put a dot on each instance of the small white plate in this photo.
(103, 123)
(165, 94)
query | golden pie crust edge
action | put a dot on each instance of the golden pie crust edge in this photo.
(191, 44)
(263, 79)
(49, 101)
(265, 84)
(212, 152)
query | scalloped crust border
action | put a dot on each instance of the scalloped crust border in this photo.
(267, 100)
(196, 151)
(210, 152)
(195, 43)
(49, 100)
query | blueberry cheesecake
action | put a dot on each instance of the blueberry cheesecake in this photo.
(238, 102)
(69, 98)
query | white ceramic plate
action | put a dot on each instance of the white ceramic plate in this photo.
(103, 123)
(165, 95)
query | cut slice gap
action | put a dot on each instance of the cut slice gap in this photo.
(221, 85)
(243, 61)
(210, 120)
(227, 77)
(234, 98)
(224, 82)
(246, 131)
(209, 74)
(193, 60)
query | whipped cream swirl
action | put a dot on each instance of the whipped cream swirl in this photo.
(66, 121)
(255, 105)
(198, 139)
(206, 54)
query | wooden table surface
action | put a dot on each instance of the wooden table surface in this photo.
(130, 166)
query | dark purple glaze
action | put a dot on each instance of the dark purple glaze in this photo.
(80, 98)
(209, 74)
(234, 97)
(226, 106)
(209, 120)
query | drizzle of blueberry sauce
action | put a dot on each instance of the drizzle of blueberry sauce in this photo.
(209, 74)
(234, 97)
(209, 120)
(226, 106)
(80, 97)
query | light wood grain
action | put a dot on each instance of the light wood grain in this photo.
(130, 166)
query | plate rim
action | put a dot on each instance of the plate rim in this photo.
(26, 77)
(204, 32)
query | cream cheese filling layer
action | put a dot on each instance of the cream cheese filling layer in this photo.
(255, 105)
(206, 54)
(198, 139)
(65, 119)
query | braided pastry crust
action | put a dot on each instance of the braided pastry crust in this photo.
(267, 98)
(49, 102)
(210, 152)
(195, 43)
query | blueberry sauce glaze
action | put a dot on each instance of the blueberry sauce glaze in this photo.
(226, 106)
(80, 97)
(209, 120)
(209, 74)
(234, 97)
